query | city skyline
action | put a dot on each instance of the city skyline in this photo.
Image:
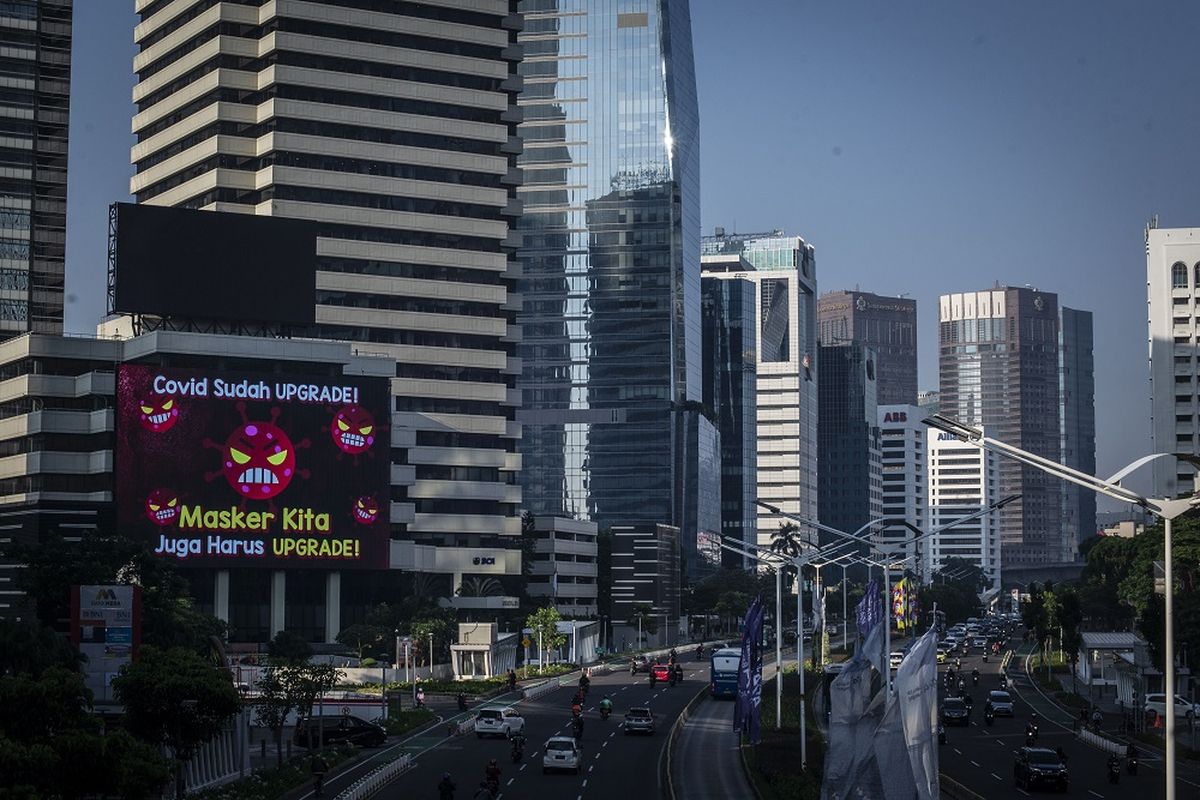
(1074, 157)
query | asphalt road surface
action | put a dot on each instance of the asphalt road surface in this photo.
(614, 765)
(980, 757)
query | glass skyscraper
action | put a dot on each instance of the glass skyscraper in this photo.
(610, 283)
(35, 64)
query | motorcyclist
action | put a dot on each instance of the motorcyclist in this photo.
(957, 663)
(653, 677)
(518, 745)
(1062, 755)
(988, 715)
(1131, 759)
(605, 708)
(491, 774)
(319, 767)
(577, 728)
(462, 702)
(512, 680)
(975, 677)
(1097, 717)
(576, 708)
(585, 683)
(962, 685)
(678, 673)
(699, 652)
(446, 787)
(1114, 768)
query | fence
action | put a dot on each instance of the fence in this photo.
(536, 691)
(223, 758)
(376, 779)
(1096, 740)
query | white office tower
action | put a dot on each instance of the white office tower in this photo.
(962, 480)
(905, 459)
(1172, 296)
(392, 128)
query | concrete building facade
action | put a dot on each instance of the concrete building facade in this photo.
(785, 278)
(565, 566)
(393, 129)
(962, 480)
(1077, 387)
(904, 461)
(1173, 306)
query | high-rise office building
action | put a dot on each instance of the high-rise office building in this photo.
(962, 480)
(904, 463)
(730, 392)
(999, 368)
(785, 278)
(888, 325)
(851, 478)
(1173, 298)
(35, 61)
(610, 273)
(392, 127)
(1077, 387)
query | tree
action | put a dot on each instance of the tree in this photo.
(953, 599)
(176, 699)
(1070, 618)
(28, 648)
(273, 703)
(431, 630)
(786, 541)
(730, 606)
(543, 629)
(364, 638)
(476, 586)
(290, 647)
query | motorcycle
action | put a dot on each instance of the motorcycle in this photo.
(462, 702)
(1131, 766)
(671, 680)
(577, 729)
(604, 712)
(653, 678)
(518, 753)
(1114, 770)
(974, 678)
(988, 716)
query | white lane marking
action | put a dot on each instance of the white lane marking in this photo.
(975, 763)
(958, 751)
(522, 769)
(1022, 791)
(510, 780)
(604, 745)
(1097, 794)
(592, 767)
(997, 777)
(585, 783)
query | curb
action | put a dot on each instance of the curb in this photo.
(746, 769)
(665, 783)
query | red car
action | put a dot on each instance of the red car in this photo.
(661, 672)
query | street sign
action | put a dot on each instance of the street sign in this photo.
(525, 642)
(1160, 578)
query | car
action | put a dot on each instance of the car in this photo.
(1039, 766)
(1157, 703)
(895, 658)
(639, 720)
(941, 655)
(562, 752)
(639, 664)
(1000, 704)
(979, 641)
(331, 729)
(498, 722)
(661, 672)
(955, 712)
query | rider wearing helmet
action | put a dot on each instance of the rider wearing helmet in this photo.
(606, 705)
(446, 787)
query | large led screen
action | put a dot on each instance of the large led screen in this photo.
(221, 470)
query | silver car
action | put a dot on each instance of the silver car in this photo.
(999, 703)
(639, 720)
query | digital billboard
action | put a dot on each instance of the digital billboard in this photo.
(213, 265)
(220, 469)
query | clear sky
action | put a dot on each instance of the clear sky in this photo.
(921, 147)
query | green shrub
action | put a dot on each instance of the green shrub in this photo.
(269, 784)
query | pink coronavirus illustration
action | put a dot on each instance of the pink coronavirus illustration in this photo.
(258, 460)
(159, 414)
(353, 429)
(366, 510)
(162, 507)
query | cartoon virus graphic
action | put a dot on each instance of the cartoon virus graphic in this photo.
(366, 509)
(162, 507)
(258, 459)
(159, 414)
(353, 429)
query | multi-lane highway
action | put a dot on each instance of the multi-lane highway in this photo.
(615, 765)
(980, 757)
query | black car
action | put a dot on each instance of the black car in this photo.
(955, 712)
(999, 703)
(336, 730)
(1039, 766)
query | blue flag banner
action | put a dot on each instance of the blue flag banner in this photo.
(870, 608)
(749, 697)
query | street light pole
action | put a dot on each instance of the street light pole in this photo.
(1166, 509)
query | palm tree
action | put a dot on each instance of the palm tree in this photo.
(480, 587)
(786, 541)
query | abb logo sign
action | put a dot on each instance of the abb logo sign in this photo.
(896, 416)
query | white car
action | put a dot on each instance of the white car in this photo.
(1183, 708)
(561, 752)
(498, 722)
(895, 658)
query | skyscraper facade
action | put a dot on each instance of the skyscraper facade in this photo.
(783, 271)
(851, 478)
(730, 393)
(1077, 386)
(904, 462)
(888, 325)
(392, 127)
(610, 273)
(963, 479)
(35, 61)
(1173, 301)
(999, 368)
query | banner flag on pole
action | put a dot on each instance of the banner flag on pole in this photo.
(916, 690)
(747, 712)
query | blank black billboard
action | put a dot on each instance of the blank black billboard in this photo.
(212, 265)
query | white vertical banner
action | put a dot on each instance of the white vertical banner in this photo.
(891, 757)
(916, 692)
(849, 698)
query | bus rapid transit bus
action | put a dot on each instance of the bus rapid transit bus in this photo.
(723, 672)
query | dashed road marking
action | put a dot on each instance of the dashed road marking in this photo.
(585, 783)
(510, 780)
(958, 751)
(522, 769)
(975, 763)
(1094, 792)
(1022, 791)
(592, 767)
(997, 777)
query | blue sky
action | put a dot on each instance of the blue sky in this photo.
(921, 147)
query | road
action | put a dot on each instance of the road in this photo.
(980, 757)
(615, 765)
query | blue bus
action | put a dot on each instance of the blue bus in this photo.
(723, 672)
